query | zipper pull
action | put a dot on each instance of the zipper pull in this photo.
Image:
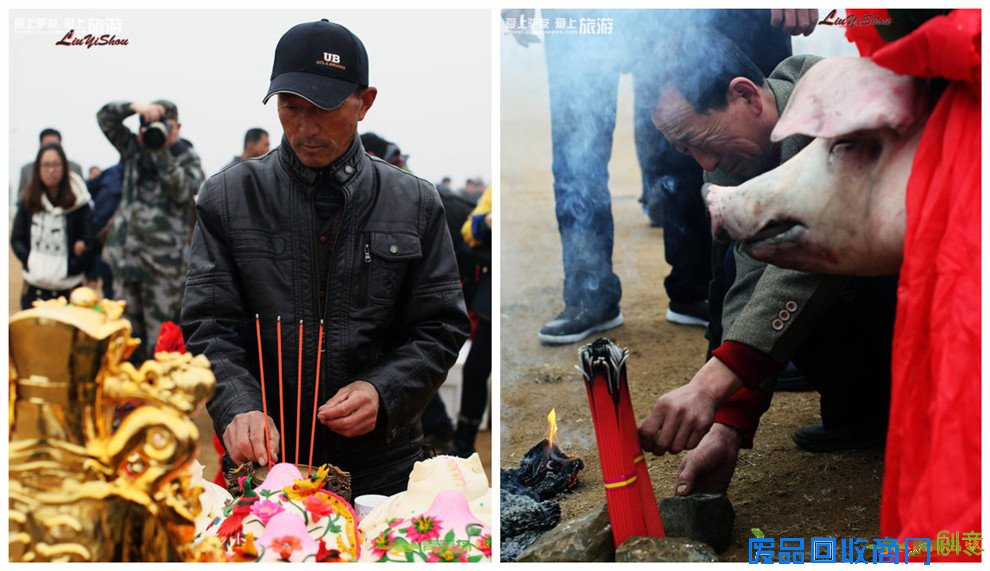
(367, 254)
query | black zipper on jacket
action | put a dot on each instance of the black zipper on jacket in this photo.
(325, 313)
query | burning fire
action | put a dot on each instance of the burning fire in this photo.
(547, 469)
(552, 421)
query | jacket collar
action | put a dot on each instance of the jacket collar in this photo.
(78, 187)
(342, 170)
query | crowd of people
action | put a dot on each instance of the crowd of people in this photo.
(379, 279)
(141, 212)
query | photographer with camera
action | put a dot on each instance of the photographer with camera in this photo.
(148, 240)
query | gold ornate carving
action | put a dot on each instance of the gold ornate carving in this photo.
(98, 448)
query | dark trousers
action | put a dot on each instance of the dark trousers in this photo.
(102, 271)
(847, 356)
(435, 418)
(687, 239)
(477, 369)
(583, 73)
(32, 293)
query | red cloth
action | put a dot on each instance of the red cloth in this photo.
(932, 479)
(749, 364)
(170, 339)
(742, 411)
(218, 479)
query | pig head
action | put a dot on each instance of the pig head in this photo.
(838, 205)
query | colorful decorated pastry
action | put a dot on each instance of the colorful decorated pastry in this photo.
(212, 500)
(289, 517)
(443, 516)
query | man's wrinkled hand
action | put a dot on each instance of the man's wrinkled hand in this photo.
(353, 411)
(682, 417)
(244, 439)
(794, 22)
(678, 420)
(709, 467)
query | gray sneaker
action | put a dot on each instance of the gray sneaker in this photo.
(577, 323)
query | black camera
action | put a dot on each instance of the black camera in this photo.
(155, 133)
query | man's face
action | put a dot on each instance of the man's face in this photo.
(257, 148)
(732, 139)
(50, 139)
(320, 136)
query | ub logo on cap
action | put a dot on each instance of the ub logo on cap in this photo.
(327, 80)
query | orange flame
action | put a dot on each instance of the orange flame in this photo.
(552, 421)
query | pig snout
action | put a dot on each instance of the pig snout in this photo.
(715, 198)
(718, 198)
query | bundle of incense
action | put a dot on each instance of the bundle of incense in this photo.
(632, 507)
(630, 435)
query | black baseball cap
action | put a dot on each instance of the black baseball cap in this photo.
(320, 61)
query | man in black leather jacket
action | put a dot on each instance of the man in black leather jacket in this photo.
(317, 232)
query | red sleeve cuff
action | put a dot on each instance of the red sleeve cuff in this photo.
(751, 365)
(742, 411)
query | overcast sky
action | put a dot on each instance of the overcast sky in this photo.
(432, 70)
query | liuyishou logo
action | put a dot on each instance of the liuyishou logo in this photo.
(89, 40)
(852, 20)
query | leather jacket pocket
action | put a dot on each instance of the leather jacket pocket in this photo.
(251, 243)
(387, 256)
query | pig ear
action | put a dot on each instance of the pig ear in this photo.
(843, 95)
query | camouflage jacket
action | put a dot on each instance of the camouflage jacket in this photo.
(150, 231)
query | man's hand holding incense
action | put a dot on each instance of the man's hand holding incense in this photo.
(353, 411)
(680, 418)
(244, 439)
(709, 467)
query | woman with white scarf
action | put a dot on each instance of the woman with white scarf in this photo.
(53, 229)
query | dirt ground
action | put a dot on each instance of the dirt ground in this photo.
(777, 488)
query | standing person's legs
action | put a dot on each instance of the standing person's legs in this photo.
(847, 357)
(438, 430)
(130, 292)
(474, 390)
(583, 76)
(650, 147)
(31, 293)
(162, 301)
(674, 182)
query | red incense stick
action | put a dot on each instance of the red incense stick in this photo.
(281, 395)
(316, 396)
(299, 388)
(264, 402)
